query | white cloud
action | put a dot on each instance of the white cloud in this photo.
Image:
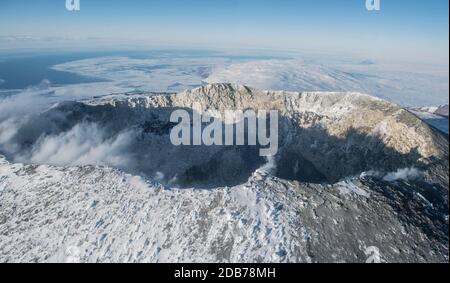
(400, 84)
(28, 101)
(84, 144)
(409, 85)
(270, 167)
(406, 174)
(8, 130)
(163, 74)
(293, 75)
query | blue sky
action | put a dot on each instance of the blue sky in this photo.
(403, 28)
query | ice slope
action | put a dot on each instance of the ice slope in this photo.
(435, 120)
(93, 214)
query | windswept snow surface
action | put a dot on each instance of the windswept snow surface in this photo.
(111, 216)
(93, 214)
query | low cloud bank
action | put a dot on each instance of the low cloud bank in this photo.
(84, 144)
(26, 102)
(28, 138)
(384, 81)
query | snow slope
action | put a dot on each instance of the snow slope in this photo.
(89, 214)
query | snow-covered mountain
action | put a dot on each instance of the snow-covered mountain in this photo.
(98, 181)
(436, 116)
(441, 110)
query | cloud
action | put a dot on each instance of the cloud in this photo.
(406, 174)
(402, 84)
(17, 110)
(292, 75)
(161, 74)
(270, 166)
(8, 130)
(84, 144)
(27, 136)
(28, 101)
(36, 99)
(30, 38)
(169, 72)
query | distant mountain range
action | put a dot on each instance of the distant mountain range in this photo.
(436, 110)
(436, 116)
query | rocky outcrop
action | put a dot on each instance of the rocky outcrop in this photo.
(341, 134)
